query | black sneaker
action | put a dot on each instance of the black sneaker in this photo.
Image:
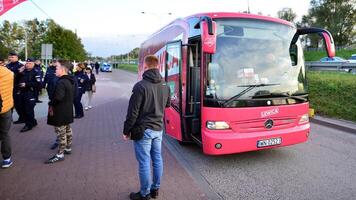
(19, 122)
(138, 196)
(67, 151)
(25, 129)
(54, 159)
(154, 193)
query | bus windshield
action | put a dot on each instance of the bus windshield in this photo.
(250, 53)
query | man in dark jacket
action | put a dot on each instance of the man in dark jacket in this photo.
(50, 80)
(82, 81)
(97, 66)
(60, 111)
(15, 66)
(144, 125)
(29, 81)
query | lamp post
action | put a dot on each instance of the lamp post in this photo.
(159, 16)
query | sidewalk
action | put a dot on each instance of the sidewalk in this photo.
(102, 165)
(339, 124)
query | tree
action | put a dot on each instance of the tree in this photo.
(287, 14)
(337, 16)
(33, 33)
(66, 44)
(11, 38)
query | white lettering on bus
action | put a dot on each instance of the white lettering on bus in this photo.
(270, 112)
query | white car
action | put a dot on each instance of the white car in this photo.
(352, 59)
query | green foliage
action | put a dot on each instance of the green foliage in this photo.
(317, 55)
(66, 44)
(34, 33)
(11, 38)
(133, 54)
(129, 67)
(333, 94)
(287, 14)
(337, 16)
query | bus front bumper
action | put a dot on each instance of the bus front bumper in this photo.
(224, 142)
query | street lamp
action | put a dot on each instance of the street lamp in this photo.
(159, 16)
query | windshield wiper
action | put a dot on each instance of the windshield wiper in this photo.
(249, 87)
(274, 94)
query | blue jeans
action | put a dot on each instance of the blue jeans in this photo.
(149, 147)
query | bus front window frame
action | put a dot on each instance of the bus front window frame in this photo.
(293, 68)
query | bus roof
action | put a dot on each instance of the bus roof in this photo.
(215, 15)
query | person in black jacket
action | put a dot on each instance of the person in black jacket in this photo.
(60, 111)
(97, 66)
(50, 80)
(144, 125)
(81, 80)
(89, 87)
(29, 81)
(15, 66)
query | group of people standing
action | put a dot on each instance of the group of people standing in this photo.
(27, 82)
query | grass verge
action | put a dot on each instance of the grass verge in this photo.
(129, 67)
(333, 94)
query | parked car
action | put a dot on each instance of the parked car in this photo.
(105, 67)
(352, 59)
(333, 59)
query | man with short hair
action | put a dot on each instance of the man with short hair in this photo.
(60, 111)
(144, 125)
(6, 103)
(15, 66)
(29, 81)
(82, 81)
(39, 69)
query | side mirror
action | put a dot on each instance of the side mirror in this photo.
(208, 36)
(327, 37)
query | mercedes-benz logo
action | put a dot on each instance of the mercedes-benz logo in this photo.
(269, 124)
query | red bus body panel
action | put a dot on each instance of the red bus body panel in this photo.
(247, 127)
(246, 123)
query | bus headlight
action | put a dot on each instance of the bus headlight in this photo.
(304, 119)
(217, 125)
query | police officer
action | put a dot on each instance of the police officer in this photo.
(81, 80)
(15, 66)
(50, 79)
(39, 69)
(30, 79)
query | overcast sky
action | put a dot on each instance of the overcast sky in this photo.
(114, 26)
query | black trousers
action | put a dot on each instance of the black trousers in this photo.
(28, 103)
(78, 106)
(5, 124)
(18, 106)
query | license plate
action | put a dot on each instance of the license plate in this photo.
(269, 142)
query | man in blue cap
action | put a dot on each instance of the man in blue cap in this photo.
(30, 80)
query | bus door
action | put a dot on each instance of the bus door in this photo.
(193, 103)
(173, 114)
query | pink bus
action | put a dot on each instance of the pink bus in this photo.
(237, 81)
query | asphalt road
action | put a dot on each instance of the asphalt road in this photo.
(322, 168)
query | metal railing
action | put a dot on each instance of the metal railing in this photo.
(331, 66)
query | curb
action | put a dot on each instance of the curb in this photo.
(338, 124)
(191, 170)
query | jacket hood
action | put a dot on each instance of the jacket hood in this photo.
(69, 77)
(152, 75)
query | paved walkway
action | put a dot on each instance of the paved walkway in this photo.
(102, 165)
